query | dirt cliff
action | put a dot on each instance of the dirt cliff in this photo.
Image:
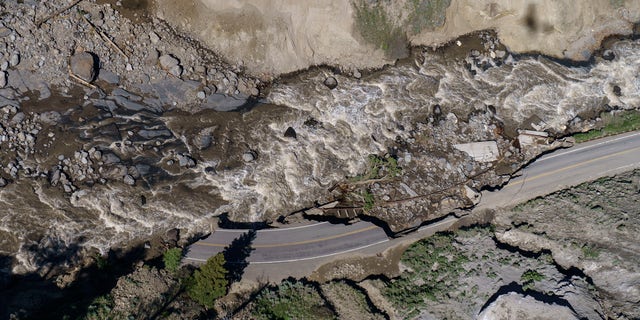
(281, 36)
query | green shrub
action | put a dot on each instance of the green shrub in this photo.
(529, 279)
(291, 300)
(590, 252)
(100, 308)
(436, 267)
(172, 259)
(369, 200)
(209, 282)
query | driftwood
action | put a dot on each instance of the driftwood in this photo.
(57, 13)
(105, 38)
(78, 79)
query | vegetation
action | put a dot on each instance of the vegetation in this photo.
(100, 308)
(369, 200)
(209, 282)
(379, 168)
(376, 28)
(529, 279)
(435, 268)
(172, 258)
(590, 252)
(613, 123)
(291, 300)
(101, 261)
(427, 14)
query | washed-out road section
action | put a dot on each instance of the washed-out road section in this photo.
(298, 250)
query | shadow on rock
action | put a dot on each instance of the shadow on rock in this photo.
(37, 295)
(236, 255)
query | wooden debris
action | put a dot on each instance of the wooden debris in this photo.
(78, 79)
(106, 38)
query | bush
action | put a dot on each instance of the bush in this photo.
(529, 279)
(291, 300)
(209, 282)
(172, 258)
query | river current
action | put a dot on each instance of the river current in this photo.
(109, 169)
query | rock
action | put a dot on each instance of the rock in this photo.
(437, 110)
(128, 179)
(290, 133)
(5, 32)
(154, 37)
(170, 64)
(83, 65)
(512, 303)
(15, 59)
(108, 77)
(3, 182)
(608, 55)
(200, 70)
(357, 74)
(173, 235)
(4, 65)
(203, 140)
(152, 57)
(248, 156)
(18, 118)
(617, 91)
(186, 161)
(201, 95)
(110, 158)
(55, 177)
(331, 82)
(50, 117)
(3, 79)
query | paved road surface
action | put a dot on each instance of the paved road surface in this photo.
(568, 167)
(312, 243)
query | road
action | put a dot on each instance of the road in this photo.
(314, 243)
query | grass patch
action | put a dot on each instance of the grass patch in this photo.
(351, 298)
(590, 252)
(291, 300)
(613, 123)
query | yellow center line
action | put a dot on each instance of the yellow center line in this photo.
(542, 175)
(275, 245)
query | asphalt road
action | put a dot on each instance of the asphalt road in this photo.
(552, 172)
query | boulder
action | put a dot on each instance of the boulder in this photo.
(290, 133)
(83, 65)
(331, 82)
(170, 64)
(128, 179)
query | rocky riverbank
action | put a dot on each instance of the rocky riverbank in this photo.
(114, 130)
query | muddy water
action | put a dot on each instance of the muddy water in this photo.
(105, 169)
